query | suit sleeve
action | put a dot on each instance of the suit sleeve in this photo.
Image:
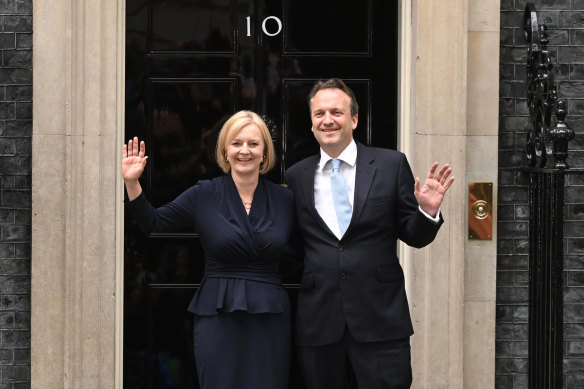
(414, 228)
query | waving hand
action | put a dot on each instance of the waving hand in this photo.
(133, 162)
(431, 194)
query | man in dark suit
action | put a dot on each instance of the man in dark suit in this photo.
(352, 304)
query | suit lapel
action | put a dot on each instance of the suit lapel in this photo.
(363, 180)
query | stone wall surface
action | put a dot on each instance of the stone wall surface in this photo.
(565, 22)
(15, 191)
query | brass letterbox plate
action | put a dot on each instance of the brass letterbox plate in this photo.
(480, 210)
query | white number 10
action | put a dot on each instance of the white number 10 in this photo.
(278, 22)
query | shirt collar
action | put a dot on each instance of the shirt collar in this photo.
(348, 155)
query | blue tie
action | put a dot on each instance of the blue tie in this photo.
(340, 196)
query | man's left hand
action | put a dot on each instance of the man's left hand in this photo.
(431, 194)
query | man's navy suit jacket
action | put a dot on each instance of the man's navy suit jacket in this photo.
(357, 282)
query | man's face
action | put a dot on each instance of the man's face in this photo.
(332, 123)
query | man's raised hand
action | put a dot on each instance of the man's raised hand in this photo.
(431, 194)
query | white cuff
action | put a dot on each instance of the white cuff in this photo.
(434, 219)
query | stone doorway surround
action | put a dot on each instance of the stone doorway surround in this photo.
(448, 105)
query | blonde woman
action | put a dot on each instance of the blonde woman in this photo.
(242, 312)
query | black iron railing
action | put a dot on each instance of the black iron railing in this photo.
(546, 152)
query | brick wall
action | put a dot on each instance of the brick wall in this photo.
(565, 21)
(15, 191)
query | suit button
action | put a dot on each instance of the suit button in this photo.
(343, 276)
(340, 247)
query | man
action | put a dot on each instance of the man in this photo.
(352, 302)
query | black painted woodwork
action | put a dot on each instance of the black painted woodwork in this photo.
(189, 66)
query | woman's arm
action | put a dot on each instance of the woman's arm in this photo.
(173, 216)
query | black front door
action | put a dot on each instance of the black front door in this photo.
(189, 65)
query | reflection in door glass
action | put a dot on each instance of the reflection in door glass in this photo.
(186, 117)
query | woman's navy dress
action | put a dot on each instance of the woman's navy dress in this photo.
(242, 312)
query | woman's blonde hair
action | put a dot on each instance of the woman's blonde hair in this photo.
(232, 126)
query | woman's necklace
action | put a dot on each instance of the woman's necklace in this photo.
(248, 195)
(246, 204)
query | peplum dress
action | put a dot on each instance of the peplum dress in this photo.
(242, 312)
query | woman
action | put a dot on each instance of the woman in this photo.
(242, 323)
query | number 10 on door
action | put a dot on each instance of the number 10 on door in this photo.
(264, 28)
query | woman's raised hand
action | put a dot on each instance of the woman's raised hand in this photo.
(133, 160)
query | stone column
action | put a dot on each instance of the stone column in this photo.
(482, 141)
(438, 133)
(453, 110)
(76, 280)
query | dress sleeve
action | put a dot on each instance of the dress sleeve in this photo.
(174, 216)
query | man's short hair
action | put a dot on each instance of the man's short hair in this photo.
(334, 83)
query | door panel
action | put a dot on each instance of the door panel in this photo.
(192, 26)
(182, 128)
(328, 27)
(190, 64)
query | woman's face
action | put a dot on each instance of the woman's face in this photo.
(245, 151)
